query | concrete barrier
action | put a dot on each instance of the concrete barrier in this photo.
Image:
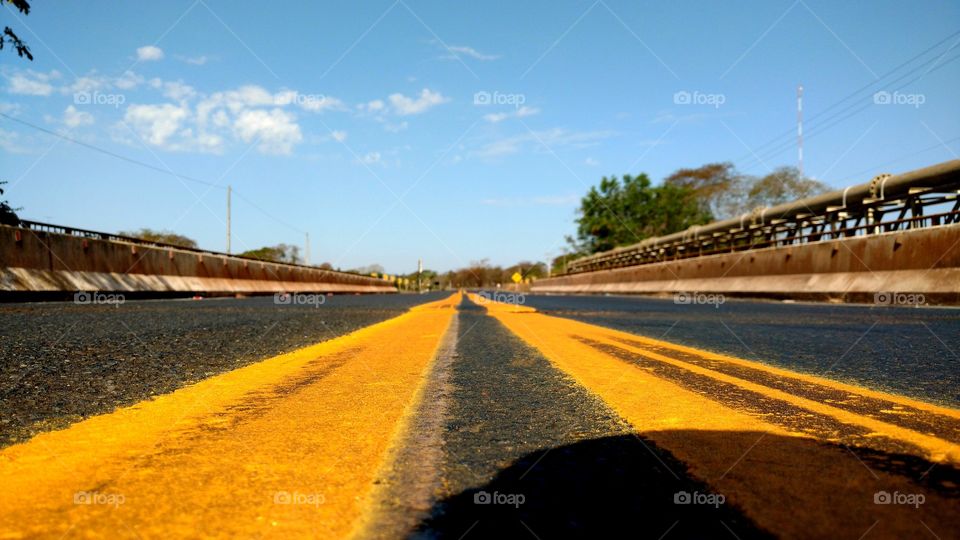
(34, 261)
(923, 261)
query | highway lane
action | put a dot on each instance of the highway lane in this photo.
(551, 458)
(453, 420)
(61, 362)
(802, 456)
(905, 350)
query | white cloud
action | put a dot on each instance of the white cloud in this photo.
(469, 51)
(338, 136)
(128, 80)
(149, 53)
(318, 102)
(10, 141)
(496, 117)
(374, 106)
(405, 106)
(86, 84)
(519, 113)
(546, 140)
(32, 83)
(370, 158)
(396, 128)
(72, 118)
(195, 60)
(527, 111)
(156, 124)
(276, 130)
(178, 90)
(591, 162)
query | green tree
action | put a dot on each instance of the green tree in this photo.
(280, 253)
(624, 211)
(163, 237)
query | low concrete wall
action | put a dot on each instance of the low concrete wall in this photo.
(38, 261)
(924, 261)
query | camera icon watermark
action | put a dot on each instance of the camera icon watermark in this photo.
(299, 299)
(908, 499)
(99, 98)
(511, 499)
(685, 97)
(892, 298)
(85, 298)
(295, 497)
(96, 497)
(710, 499)
(688, 298)
(483, 98)
(898, 98)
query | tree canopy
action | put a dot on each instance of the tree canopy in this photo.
(163, 237)
(10, 36)
(630, 209)
(280, 253)
(626, 210)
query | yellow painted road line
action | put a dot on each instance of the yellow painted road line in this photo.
(789, 480)
(287, 446)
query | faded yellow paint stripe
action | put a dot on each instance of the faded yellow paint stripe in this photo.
(287, 446)
(788, 481)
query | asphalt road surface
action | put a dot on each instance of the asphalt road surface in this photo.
(61, 362)
(442, 416)
(909, 351)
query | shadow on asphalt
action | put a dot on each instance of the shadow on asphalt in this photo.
(600, 488)
(625, 486)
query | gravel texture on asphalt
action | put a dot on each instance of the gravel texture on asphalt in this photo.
(61, 362)
(527, 452)
(904, 350)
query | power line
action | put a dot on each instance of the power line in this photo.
(787, 134)
(905, 156)
(835, 119)
(109, 153)
(147, 166)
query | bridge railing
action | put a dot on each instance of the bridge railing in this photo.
(39, 226)
(885, 204)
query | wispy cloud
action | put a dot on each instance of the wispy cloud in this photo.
(405, 106)
(541, 141)
(519, 113)
(456, 50)
(198, 60)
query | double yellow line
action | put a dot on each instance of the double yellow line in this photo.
(286, 447)
(294, 445)
(804, 456)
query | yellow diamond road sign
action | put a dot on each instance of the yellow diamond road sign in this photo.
(516, 277)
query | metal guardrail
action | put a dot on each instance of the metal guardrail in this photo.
(85, 233)
(885, 204)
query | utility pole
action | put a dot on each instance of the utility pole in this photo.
(228, 219)
(306, 256)
(800, 129)
(419, 271)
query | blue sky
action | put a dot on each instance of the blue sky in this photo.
(453, 131)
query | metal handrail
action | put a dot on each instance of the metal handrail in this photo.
(40, 226)
(821, 218)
